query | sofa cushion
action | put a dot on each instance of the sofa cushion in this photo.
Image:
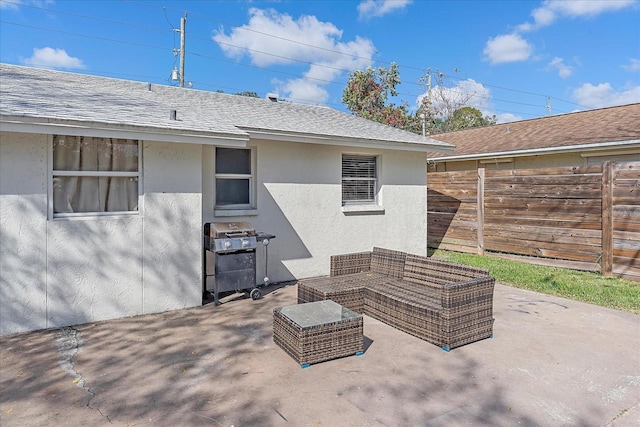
(388, 262)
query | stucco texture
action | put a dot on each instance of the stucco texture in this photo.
(299, 200)
(57, 272)
(65, 271)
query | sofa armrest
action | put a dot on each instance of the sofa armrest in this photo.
(350, 263)
(476, 292)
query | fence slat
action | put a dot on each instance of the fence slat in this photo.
(573, 216)
(607, 219)
(480, 206)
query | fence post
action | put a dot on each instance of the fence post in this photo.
(607, 218)
(480, 211)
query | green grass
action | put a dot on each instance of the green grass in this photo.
(592, 288)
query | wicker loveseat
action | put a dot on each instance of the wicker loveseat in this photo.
(447, 304)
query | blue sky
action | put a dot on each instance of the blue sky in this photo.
(513, 59)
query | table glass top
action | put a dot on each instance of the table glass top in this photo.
(318, 313)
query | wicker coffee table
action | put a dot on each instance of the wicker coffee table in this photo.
(317, 331)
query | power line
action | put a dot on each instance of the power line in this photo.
(341, 70)
(242, 27)
(333, 82)
(33, 27)
(76, 15)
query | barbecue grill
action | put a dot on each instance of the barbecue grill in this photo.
(233, 247)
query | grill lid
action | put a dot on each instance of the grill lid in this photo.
(223, 230)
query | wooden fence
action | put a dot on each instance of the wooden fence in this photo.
(586, 218)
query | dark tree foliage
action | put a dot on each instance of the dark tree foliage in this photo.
(248, 93)
(367, 95)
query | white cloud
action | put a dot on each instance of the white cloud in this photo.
(478, 95)
(542, 17)
(15, 4)
(564, 70)
(507, 118)
(553, 9)
(377, 8)
(547, 14)
(302, 91)
(507, 48)
(10, 4)
(468, 93)
(305, 41)
(603, 95)
(633, 65)
(586, 7)
(53, 58)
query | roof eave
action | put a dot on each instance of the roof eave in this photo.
(429, 146)
(44, 125)
(632, 143)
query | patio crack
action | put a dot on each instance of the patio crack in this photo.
(68, 344)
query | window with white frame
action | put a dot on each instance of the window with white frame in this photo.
(95, 176)
(359, 179)
(234, 178)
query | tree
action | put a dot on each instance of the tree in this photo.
(443, 109)
(468, 117)
(367, 93)
(248, 93)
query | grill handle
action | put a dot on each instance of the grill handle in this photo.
(237, 234)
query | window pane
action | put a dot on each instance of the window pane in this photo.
(358, 191)
(233, 161)
(358, 166)
(359, 182)
(78, 153)
(72, 194)
(232, 191)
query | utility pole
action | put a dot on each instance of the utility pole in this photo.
(423, 116)
(183, 22)
(548, 106)
(427, 81)
(179, 74)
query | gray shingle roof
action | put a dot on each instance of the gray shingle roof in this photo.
(40, 93)
(595, 127)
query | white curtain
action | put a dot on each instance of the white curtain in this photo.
(102, 193)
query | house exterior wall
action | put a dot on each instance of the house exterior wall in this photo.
(299, 195)
(64, 271)
(23, 228)
(57, 272)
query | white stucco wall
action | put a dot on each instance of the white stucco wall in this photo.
(23, 228)
(56, 272)
(172, 244)
(299, 200)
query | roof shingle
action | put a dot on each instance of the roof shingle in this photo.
(41, 93)
(588, 127)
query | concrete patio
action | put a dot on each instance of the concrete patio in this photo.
(551, 362)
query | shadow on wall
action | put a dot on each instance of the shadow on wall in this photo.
(93, 270)
(441, 211)
(286, 246)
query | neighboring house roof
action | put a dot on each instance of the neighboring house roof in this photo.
(613, 127)
(53, 101)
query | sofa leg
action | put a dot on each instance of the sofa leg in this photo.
(447, 349)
